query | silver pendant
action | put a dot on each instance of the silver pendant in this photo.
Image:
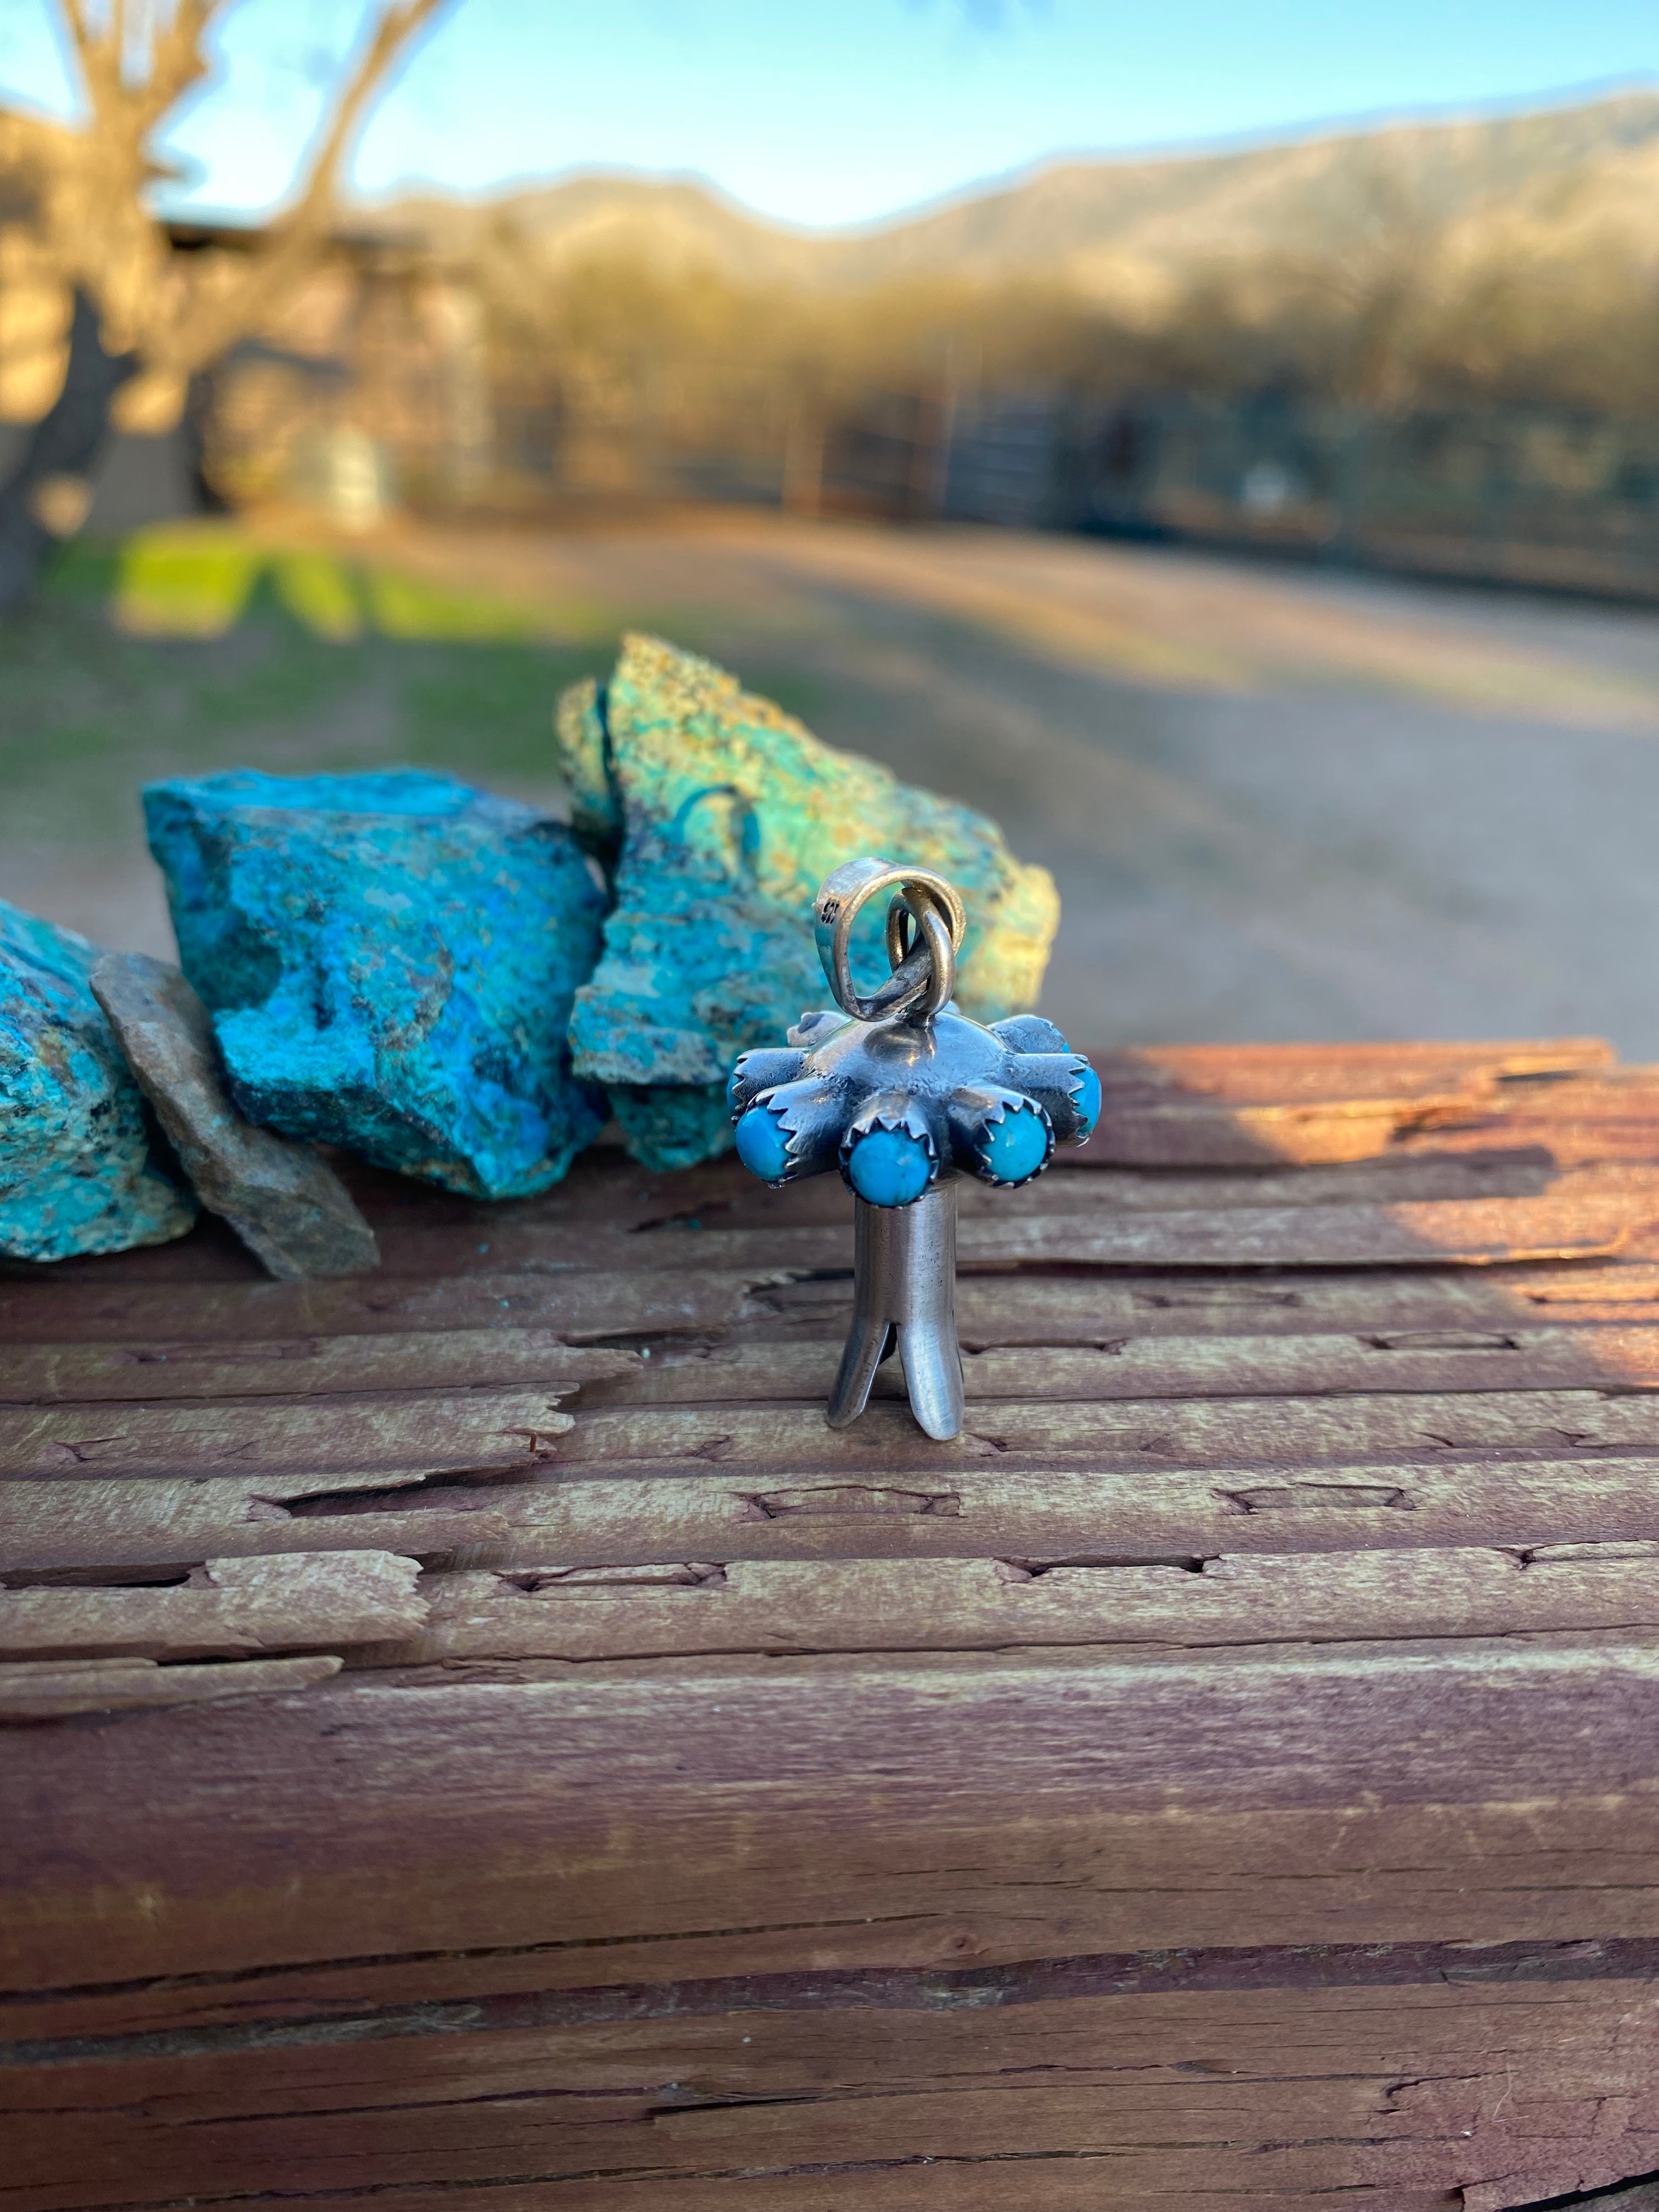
(903, 1093)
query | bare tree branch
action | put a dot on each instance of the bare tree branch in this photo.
(92, 57)
(206, 330)
(402, 19)
(176, 60)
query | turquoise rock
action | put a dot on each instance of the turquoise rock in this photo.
(721, 815)
(389, 960)
(80, 1170)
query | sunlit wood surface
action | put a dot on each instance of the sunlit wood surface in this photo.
(477, 1742)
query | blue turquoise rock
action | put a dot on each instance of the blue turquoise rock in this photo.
(721, 815)
(79, 1168)
(389, 960)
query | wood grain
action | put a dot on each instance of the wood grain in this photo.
(1136, 2096)
(1160, 1432)
(160, 1522)
(59, 1689)
(1076, 1309)
(696, 1607)
(226, 1609)
(1593, 1218)
(1065, 1517)
(814, 1793)
(1273, 1073)
(1315, 1365)
(1226, 1777)
(113, 1309)
(316, 1366)
(476, 1431)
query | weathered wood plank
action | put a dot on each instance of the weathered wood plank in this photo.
(1059, 1516)
(1588, 1218)
(972, 1514)
(1297, 1529)
(1468, 1232)
(158, 1521)
(1149, 2094)
(227, 1608)
(1169, 1366)
(482, 1429)
(1222, 1108)
(1415, 1178)
(1508, 1893)
(1061, 2182)
(1082, 1309)
(818, 1792)
(989, 1605)
(1203, 1133)
(724, 1196)
(573, 1307)
(1274, 1073)
(318, 1366)
(58, 1689)
(1141, 1432)
(655, 1302)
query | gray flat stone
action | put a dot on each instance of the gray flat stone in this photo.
(287, 1206)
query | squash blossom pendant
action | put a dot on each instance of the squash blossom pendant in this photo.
(902, 1093)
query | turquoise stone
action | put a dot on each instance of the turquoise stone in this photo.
(82, 1168)
(763, 1144)
(716, 815)
(888, 1167)
(389, 960)
(1085, 1096)
(1016, 1146)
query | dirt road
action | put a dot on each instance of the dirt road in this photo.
(1279, 804)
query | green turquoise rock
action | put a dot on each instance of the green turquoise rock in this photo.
(79, 1168)
(389, 961)
(721, 815)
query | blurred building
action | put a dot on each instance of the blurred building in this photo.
(368, 379)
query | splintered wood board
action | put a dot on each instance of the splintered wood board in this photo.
(471, 1740)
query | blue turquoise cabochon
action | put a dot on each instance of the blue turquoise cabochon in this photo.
(888, 1167)
(763, 1144)
(1014, 1148)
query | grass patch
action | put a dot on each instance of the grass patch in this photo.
(193, 648)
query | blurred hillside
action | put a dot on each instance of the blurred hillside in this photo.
(1513, 257)
(1087, 220)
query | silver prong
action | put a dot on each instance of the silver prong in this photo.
(904, 1274)
(933, 1374)
(867, 1345)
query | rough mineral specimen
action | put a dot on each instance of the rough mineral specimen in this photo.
(78, 1169)
(730, 814)
(389, 961)
(287, 1206)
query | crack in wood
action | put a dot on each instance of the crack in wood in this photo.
(1304, 1968)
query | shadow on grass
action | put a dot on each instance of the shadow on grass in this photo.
(176, 653)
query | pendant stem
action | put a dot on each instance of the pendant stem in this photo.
(904, 1288)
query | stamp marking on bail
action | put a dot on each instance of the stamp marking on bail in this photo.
(903, 1093)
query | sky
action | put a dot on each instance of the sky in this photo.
(825, 112)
